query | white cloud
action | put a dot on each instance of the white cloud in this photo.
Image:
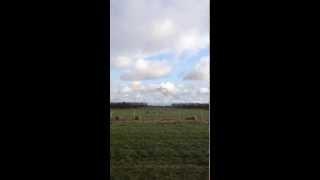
(191, 41)
(150, 27)
(163, 29)
(165, 88)
(201, 70)
(121, 62)
(168, 89)
(204, 90)
(136, 85)
(146, 70)
(163, 92)
(143, 28)
(126, 90)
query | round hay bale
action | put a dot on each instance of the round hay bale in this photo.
(195, 118)
(192, 118)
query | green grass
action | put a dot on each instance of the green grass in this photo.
(158, 114)
(159, 150)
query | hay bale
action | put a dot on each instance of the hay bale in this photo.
(191, 118)
(117, 118)
(136, 118)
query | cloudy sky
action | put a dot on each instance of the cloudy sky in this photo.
(159, 51)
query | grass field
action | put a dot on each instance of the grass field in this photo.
(160, 115)
(159, 144)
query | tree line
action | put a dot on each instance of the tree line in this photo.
(127, 105)
(191, 105)
(140, 104)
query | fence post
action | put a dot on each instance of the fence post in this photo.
(134, 114)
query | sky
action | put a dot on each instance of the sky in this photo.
(159, 51)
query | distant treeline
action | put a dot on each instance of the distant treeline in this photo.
(190, 105)
(176, 105)
(127, 105)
